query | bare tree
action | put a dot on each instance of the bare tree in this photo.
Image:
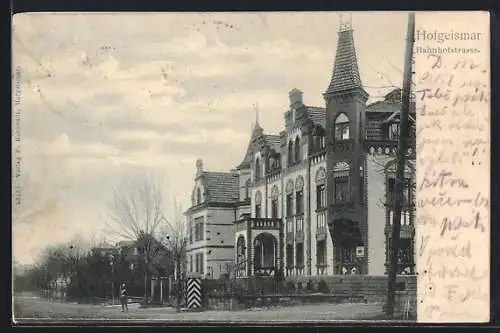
(175, 239)
(136, 213)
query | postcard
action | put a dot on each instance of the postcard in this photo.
(285, 167)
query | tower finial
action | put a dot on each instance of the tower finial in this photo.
(346, 24)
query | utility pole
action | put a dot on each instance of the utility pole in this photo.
(400, 166)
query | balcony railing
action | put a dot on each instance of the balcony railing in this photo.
(258, 223)
(265, 223)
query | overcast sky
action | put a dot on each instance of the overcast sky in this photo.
(108, 97)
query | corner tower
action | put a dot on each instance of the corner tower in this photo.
(345, 101)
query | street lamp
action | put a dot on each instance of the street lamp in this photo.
(112, 264)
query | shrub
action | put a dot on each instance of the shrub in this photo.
(323, 287)
(289, 286)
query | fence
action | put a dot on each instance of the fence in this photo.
(232, 294)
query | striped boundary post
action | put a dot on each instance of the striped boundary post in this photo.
(193, 291)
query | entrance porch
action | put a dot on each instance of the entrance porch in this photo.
(258, 246)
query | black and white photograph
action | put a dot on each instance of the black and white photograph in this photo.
(214, 167)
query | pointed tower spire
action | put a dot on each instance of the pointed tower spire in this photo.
(257, 129)
(345, 74)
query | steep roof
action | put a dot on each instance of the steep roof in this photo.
(317, 115)
(221, 187)
(345, 74)
(273, 141)
(247, 159)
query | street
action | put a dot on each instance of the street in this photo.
(32, 309)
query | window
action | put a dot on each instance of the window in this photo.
(341, 189)
(257, 169)
(274, 208)
(299, 260)
(299, 199)
(405, 255)
(199, 263)
(318, 142)
(190, 234)
(405, 217)
(391, 191)
(342, 127)
(258, 204)
(289, 255)
(198, 229)
(297, 150)
(290, 153)
(289, 225)
(258, 211)
(394, 130)
(191, 263)
(321, 220)
(320, 196)
(300, 223)
(289, 205)
(320, 188)
(341, 174)
(348, 253)
(361, 184)
(273, 162)
(321, 252)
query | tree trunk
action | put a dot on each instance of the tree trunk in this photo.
(179, 285)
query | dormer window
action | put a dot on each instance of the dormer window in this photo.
(394, 130)
(257, 169)
(342, 127)
(297, 149)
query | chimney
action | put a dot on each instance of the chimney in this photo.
(199, 166)
(295, 98)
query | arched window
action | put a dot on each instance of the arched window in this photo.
(299, 196)
(198, 196)
(290, 153)
(320, 188)
(394, 130)
(342, 127)
(257, 169)
(297, 150)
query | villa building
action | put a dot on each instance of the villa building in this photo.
(315, 199)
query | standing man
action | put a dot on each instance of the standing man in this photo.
(124, 297)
